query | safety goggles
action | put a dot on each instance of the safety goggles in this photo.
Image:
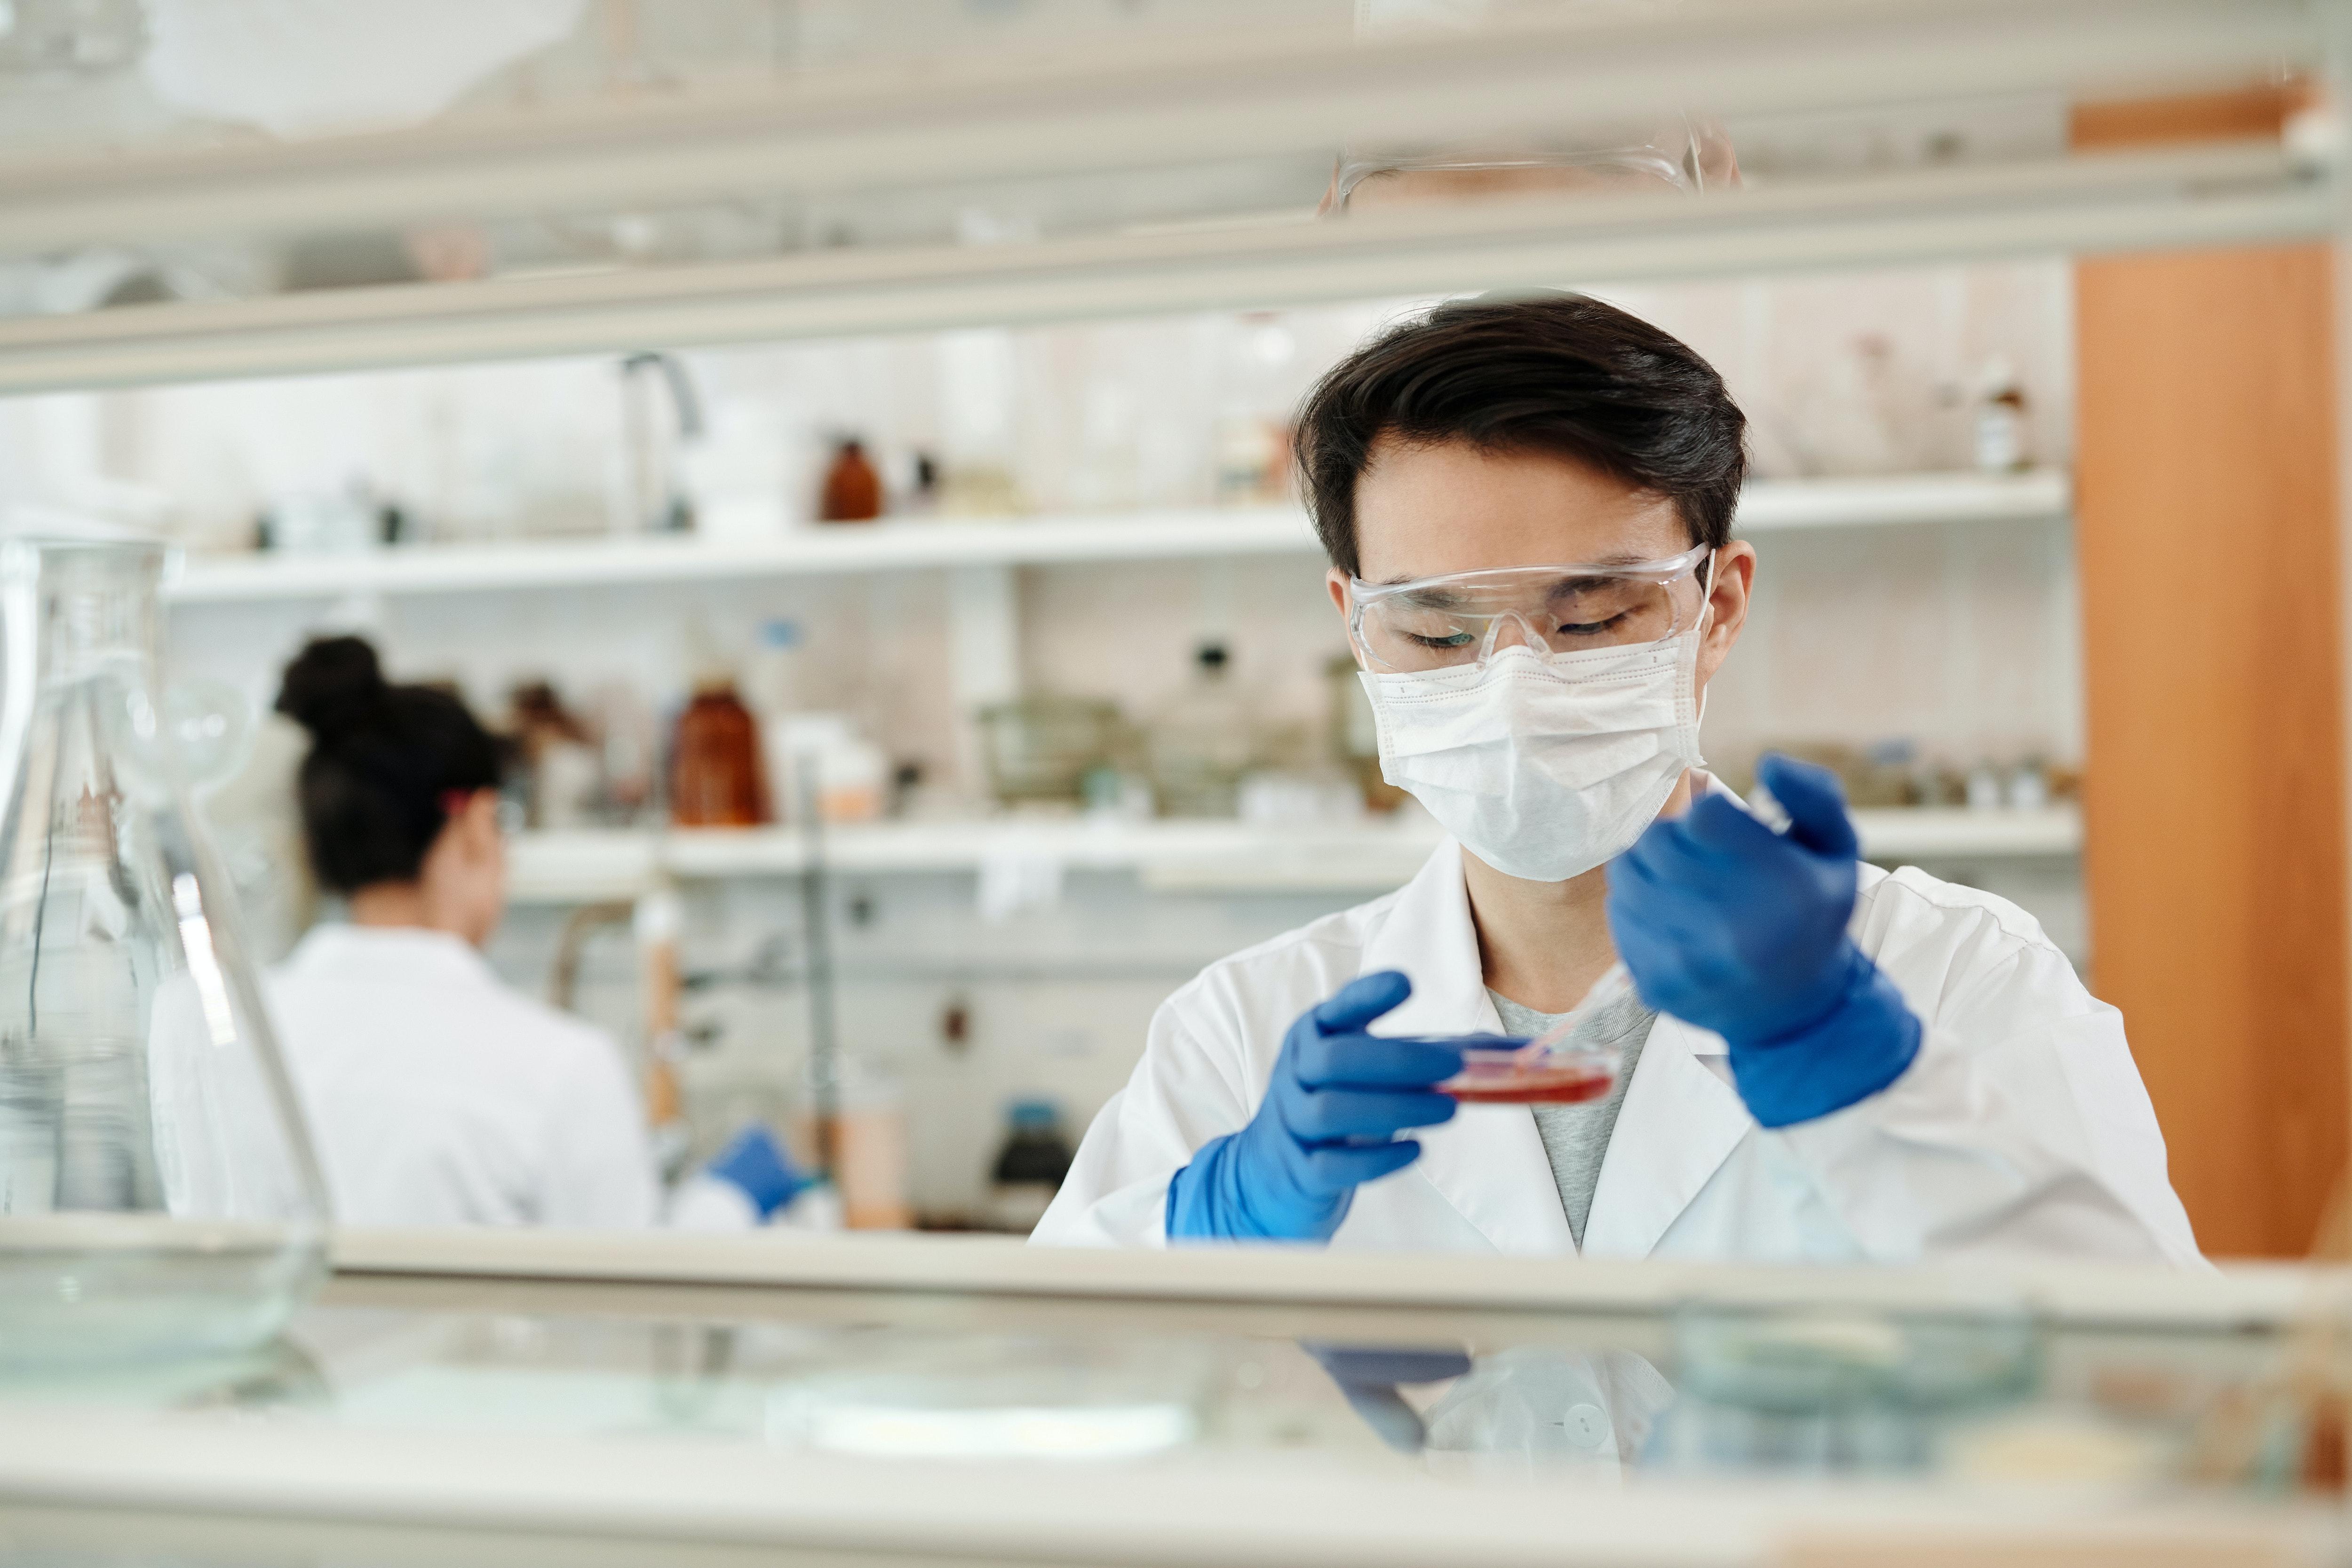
(1462, 617)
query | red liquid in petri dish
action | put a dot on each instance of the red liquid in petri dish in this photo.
(1578, 1077)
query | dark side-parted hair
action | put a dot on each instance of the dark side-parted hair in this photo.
(384, 762)
(1551, 373)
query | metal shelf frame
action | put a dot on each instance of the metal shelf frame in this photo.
(1097, 109)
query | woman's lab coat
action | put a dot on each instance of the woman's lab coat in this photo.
(439, 1095)
(2022, 1126)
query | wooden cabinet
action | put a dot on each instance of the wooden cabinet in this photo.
(2214, 805)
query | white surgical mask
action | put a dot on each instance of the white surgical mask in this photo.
(1545, 764)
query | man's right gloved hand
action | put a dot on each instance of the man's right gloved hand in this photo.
(1328, 1124)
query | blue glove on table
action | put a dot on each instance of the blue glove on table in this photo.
(1328, 1124)
(1725, 924)
(757, 1167)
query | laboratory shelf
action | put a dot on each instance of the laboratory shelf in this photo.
(1204, 857)
(1768, 505)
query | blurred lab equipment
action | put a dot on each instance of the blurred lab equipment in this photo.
(653, 488)
(869, 1142)
(1253, 424)
(345, 522)
(922, 494)
(771, 687)
(1870, 409)
(80, 36)
(1354, 734)
(301, 69)
(1815, 1388)
(1111, 794)
(158, 1191)
(752, 476)
(1029, 1167)
(852, 490)
(979, 397)
(628, 747)
(715, 774)
(771, 671)
(1984, 787)
(1204, 740)
(258, 832)
(1680, 154)
(2001, 434)
(1279, 798)
(1045, 747)
(842, 776)
(1292, 1172)
(562, 774)
(995, 1397)
(660, 981)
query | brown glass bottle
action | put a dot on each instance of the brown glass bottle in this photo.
(715, 774)
(852, 490)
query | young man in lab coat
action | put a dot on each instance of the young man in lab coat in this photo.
(1527, 505)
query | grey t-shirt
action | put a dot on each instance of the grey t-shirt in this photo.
(1576, 1137)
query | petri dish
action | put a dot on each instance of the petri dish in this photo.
(1514, 1075)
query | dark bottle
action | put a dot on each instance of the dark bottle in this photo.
(852, 490)
(714, 778)
(1030, 1166)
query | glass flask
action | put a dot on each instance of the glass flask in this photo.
(158, 1192)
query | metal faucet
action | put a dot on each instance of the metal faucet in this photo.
(655, 501)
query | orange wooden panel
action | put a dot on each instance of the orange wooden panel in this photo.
(2259, 109)
(2214, 797)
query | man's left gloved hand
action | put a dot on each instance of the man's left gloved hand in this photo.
(1732, 927)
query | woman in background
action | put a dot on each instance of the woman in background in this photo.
(437, 1093)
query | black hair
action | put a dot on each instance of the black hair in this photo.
(1552, 373)
(384, 760)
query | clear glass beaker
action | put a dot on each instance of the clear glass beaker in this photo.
(158, 1192)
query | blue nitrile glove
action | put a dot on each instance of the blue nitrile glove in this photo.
(757, 1167)
(1328, 1124)
(1725, 924)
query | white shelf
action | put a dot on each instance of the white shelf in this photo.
(1942, 835)
(1169, 856)
(1768, 505)
(815, 550)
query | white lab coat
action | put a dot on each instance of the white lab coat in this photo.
(439, 1095)
(2021, 1127)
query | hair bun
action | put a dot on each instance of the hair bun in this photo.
(333, 684)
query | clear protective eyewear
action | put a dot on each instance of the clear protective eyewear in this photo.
(1462, 617)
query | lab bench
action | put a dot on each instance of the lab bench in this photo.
(460, 1397)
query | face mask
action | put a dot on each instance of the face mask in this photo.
(1545, 764)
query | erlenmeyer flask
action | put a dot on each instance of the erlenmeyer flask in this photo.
(157, 1193)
